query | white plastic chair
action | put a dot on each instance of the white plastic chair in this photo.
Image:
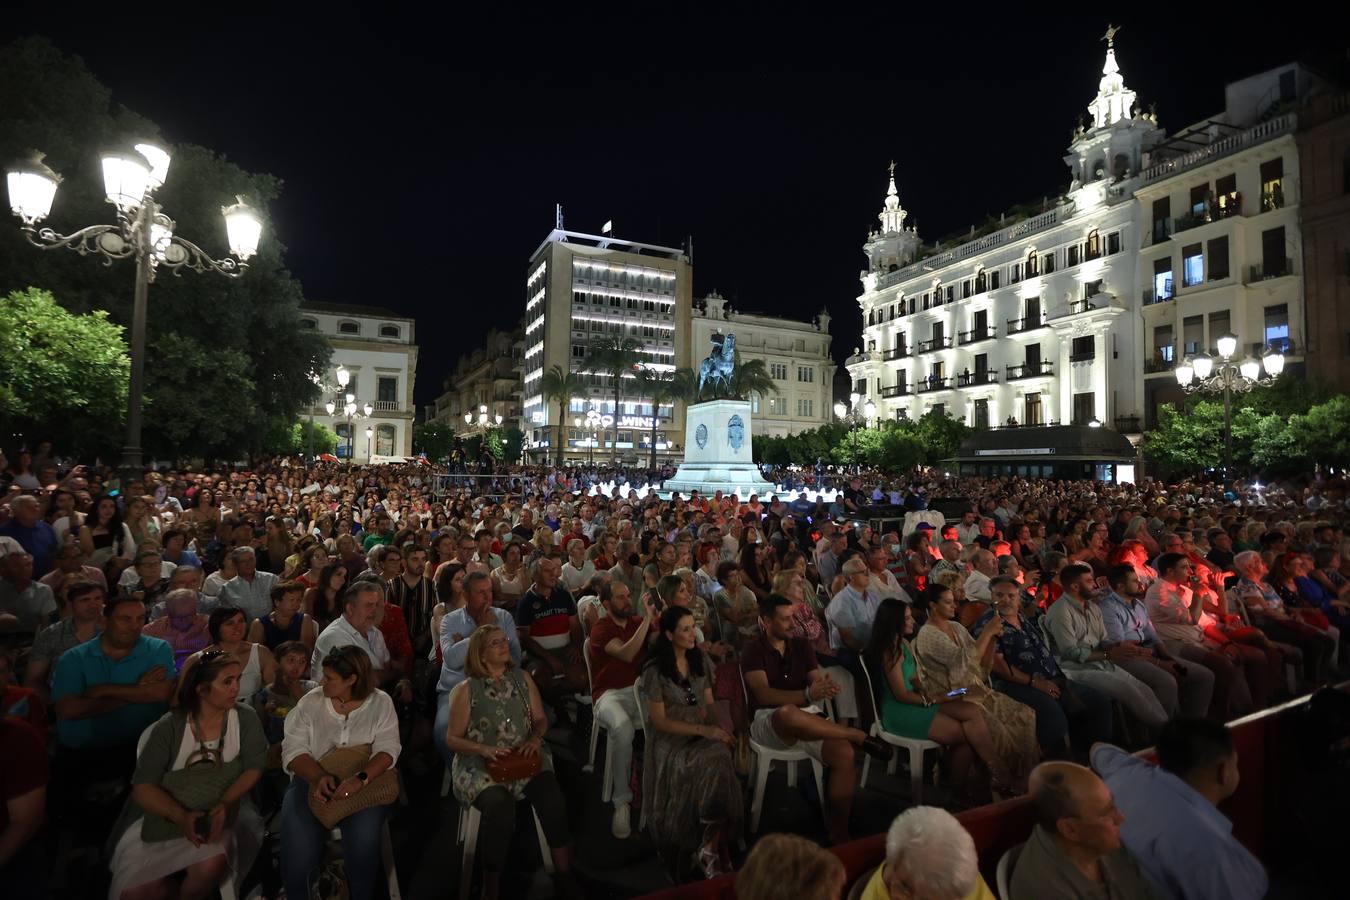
(607, 788)
(1006, 863)
(763, 760)
(641, 723)
(469, 820)
(915, 746)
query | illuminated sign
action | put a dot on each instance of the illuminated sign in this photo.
(595, 420)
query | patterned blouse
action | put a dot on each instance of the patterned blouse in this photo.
(1023, 648)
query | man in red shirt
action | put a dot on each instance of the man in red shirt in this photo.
(618, 647)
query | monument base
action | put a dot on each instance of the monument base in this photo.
(717, 452)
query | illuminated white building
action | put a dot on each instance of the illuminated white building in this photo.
(1030, 321)
(796, 354)
(581, 289)
(378, 350)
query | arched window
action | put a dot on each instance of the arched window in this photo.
(308, 323)
(349, 328)
(389, 331)
(384, 440)
(1031, 267)
(1094, 245)
(981, 282)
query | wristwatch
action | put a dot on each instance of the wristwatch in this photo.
(362, 777)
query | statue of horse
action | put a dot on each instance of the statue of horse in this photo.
(719, 364)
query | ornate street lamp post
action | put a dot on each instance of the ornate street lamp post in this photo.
(351, 414)
(1201, 374)
(855, 414)
(142, 232)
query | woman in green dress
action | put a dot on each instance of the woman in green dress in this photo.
(905, 710)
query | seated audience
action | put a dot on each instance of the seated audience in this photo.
(287, 620)
(190, 810)
(693, 798)
(31, 602)
(278, 697)
(257, 666)
(546, 621)
(929, 856)
(84, 607)
(185, 629)
(496, 714)
(1172, 824)
(1075, 851)
(23, 802)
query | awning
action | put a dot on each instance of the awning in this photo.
(1046, 444)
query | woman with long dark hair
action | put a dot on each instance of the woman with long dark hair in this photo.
(323, 602)
(104, 536)
(694, 802)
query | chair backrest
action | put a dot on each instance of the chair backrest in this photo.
(586, 656)
(641, 704)
(1006, 863)
(144, 739)
(871, 697)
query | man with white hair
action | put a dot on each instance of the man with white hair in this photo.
(35, 536)
(1267, 612)
(984, 566)
(929, 856)
(250, 590)
(951, 559)
(852, 611)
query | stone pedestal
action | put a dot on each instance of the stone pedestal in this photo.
(717, 452)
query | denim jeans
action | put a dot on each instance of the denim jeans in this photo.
(303, 839)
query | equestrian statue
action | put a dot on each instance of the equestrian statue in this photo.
(719, 364)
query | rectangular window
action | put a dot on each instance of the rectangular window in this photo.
(1071, 254)
(1198, 195)
(1218, 325)
(1084, 408)
(1084, 348)
(1218, 258)
(1162, 344)
(1113, 243)
(1032, 270)
(1273, 260)
(388, 390)
(965, 289)
(981, 363)
(1092, 288)
(1031, 409)
(805, 408)
(1225, 185)
(806, 374)
(1048, 263)
(1162, 279)
(993, 280)
(778, 371)
(1015, 270)
(754, 404)
(980, 419)
(950, 293)
(1276, 331)
(1272, 184)
(1192, 335)
(939, 409)
(1192, 265)
(1162, 219)
(778, 406)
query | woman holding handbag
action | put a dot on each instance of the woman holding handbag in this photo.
(345, 724)
(496, 732)
(189, 809)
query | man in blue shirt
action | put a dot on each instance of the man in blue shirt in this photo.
(106, 691)
(33, 534)
(1126, 619)
(1172, 826)
(456, 629)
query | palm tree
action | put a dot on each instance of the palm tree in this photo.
(751, 378)
(560, 385)
(680, 386)
(614, 356)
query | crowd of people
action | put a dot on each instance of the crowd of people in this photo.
(217, 656)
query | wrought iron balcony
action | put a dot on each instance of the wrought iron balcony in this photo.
(974, 379)
(1129, 424)
(895, 390)
(933, 383)
(976, 335)
(895, 353)
(1153, 295)
(1029, 370)
(1024, 324)
(941, 343)
(1260, 272)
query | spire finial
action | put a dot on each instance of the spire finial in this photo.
(1110, 36)
(892, 168)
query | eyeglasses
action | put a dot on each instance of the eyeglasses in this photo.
(499, 642)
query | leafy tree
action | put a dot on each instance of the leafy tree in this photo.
(561, 385)
(282, 439)
(64, 373)
(680, 386)
(434, 439)
(940, 435)
(512, 443)
(222, 355)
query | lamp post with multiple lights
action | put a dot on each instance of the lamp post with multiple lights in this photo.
(855, 414)
(1203, 374)
(142, 232)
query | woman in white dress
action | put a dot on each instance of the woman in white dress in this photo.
(256, 663)
(209, 744)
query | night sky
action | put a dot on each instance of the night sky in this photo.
(422, 156)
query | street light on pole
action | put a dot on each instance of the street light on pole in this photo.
(854, 414)
(142, 232)
(370, 433)
(1201, 374)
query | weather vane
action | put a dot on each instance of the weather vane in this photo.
(1110, 36)
(892, 168)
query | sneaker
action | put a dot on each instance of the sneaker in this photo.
(621, 826)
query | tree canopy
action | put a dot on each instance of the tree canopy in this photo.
(892, 445)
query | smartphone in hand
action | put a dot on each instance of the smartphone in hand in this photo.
(959, 692)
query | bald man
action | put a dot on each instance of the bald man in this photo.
(1075, 852)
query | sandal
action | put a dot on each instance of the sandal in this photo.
(709, 862)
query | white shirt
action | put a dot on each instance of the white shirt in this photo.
(129, 576)
(883, 584)
(340, 633)
(254, 598)
(575, 578)
(968, 533)
(977, 587)
(314, 727)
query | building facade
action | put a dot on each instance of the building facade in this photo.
(1324, 204)
(1028, 324)
(378, 348)
(1221, 249)
(484, 382)
(580, 290)
(796, 354)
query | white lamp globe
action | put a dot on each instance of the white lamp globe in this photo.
(1274, 361)
(1227, 344)
(1204, 365)
(1250, 368)
(32, 188)
(1185, 373)
(126, 178)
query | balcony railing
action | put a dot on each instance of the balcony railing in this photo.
(1272, 197)
(933, 383)
(895, 390)
(1153, 295)
(1257, 134)
(386, 406)
(1129, 424)
(895, 353)
(1259, 272)
(1029, 370)
(1013, 423)
(1153, 366)
(939, 343)
(1025, 324)
(976, 335)
(1088, 305)
(1083, 357)
(974, 379)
